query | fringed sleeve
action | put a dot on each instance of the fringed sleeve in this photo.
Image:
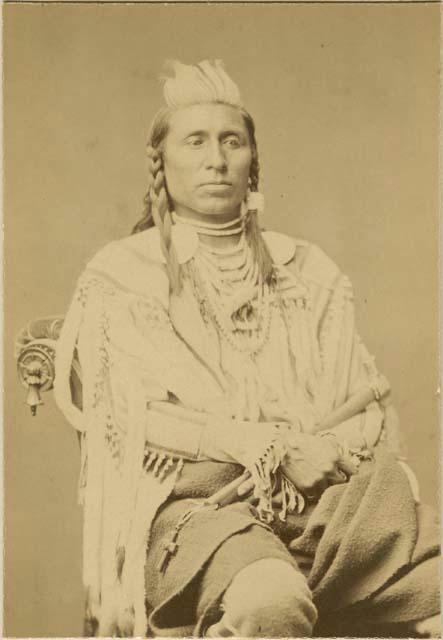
(119, 497)
(85, 335)
(351, 369)
(347, 367)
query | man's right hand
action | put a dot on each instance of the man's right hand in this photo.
(314, 462)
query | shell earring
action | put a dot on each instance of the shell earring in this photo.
(255, 201)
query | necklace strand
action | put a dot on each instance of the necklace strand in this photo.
(232, 227)
(234, 278)
(264, 327)
(227, 252)
(227, 290)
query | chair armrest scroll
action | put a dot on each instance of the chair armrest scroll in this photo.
(35, 355)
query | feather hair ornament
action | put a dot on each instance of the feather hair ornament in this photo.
(206, 81)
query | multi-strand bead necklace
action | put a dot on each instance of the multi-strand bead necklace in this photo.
(230, 288)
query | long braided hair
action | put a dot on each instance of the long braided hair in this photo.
(157, 209)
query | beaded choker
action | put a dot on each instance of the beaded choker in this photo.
(230, 228)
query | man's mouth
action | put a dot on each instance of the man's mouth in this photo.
(216, 183)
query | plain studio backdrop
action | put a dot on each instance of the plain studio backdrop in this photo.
(345, 99)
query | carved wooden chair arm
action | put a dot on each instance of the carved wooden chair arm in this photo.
(35, 355)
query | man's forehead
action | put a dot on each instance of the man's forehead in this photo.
(206, 117)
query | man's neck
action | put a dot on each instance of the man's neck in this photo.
(217, 241)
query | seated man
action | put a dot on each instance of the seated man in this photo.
(237, 477)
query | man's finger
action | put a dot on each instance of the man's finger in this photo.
(251, 500)
(347, 466)
(245, 488)
(337, 477)
(314, 493)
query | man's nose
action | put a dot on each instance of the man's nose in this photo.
(215, 157)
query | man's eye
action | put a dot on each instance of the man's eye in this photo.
(232, 141)
(195, 142)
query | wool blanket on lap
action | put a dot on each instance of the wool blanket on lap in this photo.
(367, 536)
(366, 549)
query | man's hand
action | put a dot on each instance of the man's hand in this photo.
(314, 462)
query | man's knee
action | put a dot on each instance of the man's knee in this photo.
(270, 598)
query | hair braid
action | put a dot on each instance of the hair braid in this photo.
(157, 213)
(253, 233)
(146, 221)
(254, 173)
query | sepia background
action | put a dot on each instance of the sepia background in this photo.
(345, 99)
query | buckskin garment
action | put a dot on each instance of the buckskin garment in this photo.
(157, 376)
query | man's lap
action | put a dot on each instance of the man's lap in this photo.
(347, 554)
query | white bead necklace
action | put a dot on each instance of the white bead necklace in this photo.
(240, 269)
(230, 228)
(230, 289)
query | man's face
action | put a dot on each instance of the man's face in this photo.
(207, 156)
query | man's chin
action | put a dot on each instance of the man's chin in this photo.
(218, 207)
(211, 207)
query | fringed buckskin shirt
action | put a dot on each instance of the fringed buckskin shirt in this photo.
(156, 372)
